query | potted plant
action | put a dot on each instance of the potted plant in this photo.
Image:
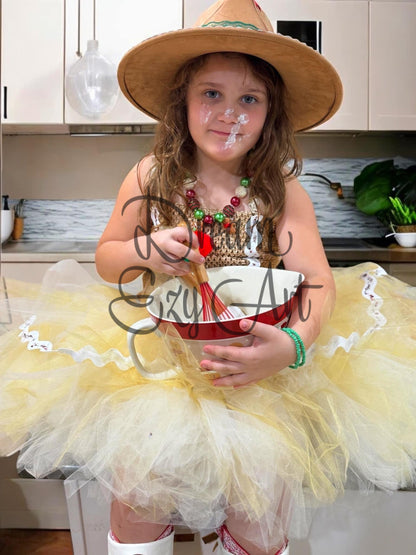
(388, 192)
(402, 216)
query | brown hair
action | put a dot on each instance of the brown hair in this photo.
(273, 158)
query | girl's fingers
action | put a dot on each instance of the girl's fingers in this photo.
(230, 353)
(192, 255)
(232, 380)
(221, 367)
(184, 234)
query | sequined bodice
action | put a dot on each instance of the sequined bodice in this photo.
(248, 243)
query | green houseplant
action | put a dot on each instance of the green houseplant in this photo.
(402, 216)
(388, 192)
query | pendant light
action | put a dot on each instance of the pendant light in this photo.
(91, 83)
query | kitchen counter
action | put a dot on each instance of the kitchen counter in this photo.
(337, 250)
(48, 251)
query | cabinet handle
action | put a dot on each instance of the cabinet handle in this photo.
(5, 102)
(319, 41)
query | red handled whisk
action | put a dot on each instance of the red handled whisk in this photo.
(212, 306)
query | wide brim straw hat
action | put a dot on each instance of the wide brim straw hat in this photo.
(147, 71)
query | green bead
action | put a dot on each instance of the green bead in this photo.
(199, 214)
(219, 217)
(245, 181)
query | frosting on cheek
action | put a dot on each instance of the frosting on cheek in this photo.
(205, 114)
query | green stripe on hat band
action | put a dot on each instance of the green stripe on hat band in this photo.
(231, 24)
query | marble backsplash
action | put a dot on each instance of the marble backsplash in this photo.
(86, 219)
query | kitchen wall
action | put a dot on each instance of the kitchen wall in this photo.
(70, 182)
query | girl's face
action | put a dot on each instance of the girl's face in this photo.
(227, 107)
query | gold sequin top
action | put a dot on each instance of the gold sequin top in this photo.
(250, 242)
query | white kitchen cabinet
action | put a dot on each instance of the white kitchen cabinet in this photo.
(32, 61)
(392, 67)
(344, 44)
(119, 25)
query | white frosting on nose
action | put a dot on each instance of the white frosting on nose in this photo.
(235, 129)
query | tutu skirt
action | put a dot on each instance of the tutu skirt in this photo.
(184, 451)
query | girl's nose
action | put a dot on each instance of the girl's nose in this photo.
(229, 115)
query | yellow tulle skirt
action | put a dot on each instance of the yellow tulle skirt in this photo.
(183, 451)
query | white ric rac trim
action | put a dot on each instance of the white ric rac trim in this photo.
(88, 352)
(373, 310)
(255, 238)
(32, 337)
(376, 302)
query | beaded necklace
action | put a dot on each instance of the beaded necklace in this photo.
(223, 216)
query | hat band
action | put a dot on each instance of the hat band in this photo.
(238, 24)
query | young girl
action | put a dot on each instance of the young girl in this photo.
(287, 419)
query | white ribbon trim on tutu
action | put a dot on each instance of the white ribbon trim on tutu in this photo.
(345, 343)
(373, 310)
(86, 353)
(376, 302)
(32, 337)
(89, 353)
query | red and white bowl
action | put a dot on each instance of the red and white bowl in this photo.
(261, 294)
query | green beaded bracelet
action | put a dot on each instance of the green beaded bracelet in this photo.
(300, 347)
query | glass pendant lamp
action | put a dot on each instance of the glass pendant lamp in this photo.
(91, 83)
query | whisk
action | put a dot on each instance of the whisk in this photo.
(212, 306)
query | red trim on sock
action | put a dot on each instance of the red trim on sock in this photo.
(234, 547)
(114, 537)
(229, 542)
(166, 532)
(282, 548)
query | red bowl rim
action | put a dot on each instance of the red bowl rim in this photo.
(223, 329)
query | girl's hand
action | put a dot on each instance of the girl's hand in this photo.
(165, 251)
(271, 351)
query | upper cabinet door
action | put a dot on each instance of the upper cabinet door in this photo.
(392, 66)
(32, 61)
(118, 27)
(342, 32)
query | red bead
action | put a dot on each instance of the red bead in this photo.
(229, 211)
(190, 193)
(209, 220)
(235, 201)
(193, 203)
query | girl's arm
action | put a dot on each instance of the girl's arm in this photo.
(301, 244)
(272, 349)
(126, 249)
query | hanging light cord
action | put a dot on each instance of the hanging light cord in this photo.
(93, 21)
(78, 52)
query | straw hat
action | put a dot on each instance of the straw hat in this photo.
(147, 71)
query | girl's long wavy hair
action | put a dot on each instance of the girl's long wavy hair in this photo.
(273, 158)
